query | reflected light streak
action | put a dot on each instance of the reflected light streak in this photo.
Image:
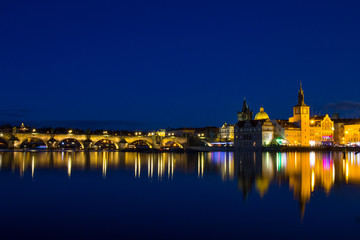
(69, 166)
(168, 163)
(139, 166)
(347, 172)
(158, 165)
(22, 167)
(198, 165)
(32, 166)
(104, 165)
(202, 165)
(149, 167)
(135, 165)
(312, 180)
(161, 165)
(172, 166)
(312, 159)
(152, 165)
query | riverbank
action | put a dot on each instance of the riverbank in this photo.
(274, 149)
(203, 149)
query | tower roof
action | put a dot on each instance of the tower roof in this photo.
(300, 98)
(245, 106)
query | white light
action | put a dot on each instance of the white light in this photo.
(312, 159)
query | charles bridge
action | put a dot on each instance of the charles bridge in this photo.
(15, 140)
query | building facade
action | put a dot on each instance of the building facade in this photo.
(347, 132)
(226, 132)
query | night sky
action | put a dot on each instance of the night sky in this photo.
(152, 64)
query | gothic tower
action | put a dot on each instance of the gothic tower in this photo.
(246, 113)
(301, 115)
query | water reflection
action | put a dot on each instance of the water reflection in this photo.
(302, 173)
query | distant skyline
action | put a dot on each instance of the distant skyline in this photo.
(159, 64)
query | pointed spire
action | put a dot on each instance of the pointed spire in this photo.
(245, 106)
(301, 90)
(301, 97)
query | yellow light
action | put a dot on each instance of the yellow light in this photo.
(312, 180)
(70, 131)
(34, 130)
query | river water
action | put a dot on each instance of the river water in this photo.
(114, 195)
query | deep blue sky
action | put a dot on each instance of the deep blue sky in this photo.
(156, 64)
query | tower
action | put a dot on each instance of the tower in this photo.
(246, 113)
(301, 115)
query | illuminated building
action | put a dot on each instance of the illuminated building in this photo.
(347, 132)
(205, 132)
(298, 130)
(301, 116)
(292, 132)
(321, 130)
(161, 133)
(303, 130)
(226, 132)
(255, 133)
(23, 128)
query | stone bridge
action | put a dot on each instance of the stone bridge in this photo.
(87, 141)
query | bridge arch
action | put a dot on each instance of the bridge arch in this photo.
(105, 144)
(70, 143)
(33, 142)
(140, 144)
(206, 143)
(173, 144)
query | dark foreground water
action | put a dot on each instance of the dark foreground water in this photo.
(97, 195)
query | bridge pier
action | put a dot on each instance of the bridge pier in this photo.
(123, 144)
(13, 142)
(87, 144)
(51, 143)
